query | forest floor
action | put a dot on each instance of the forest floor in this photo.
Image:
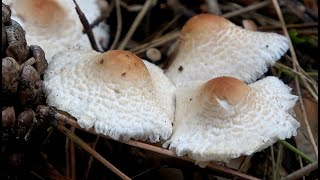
(69, 152)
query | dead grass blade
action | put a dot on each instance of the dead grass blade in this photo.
(86, 27)
(295, 64)
(302, 172)
(91, 151)
(135, 23)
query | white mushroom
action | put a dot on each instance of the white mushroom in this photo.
(225, 118)
(54, 24)
(211, 46)
(114, 92)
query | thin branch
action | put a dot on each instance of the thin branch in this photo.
(279, 160)
(247, 9)
(36, 175)
(61, 118)
(135, 23)
(302, 172)
(119, 24)
(86, 27)
(91, 158)
(259, 17)
(72, 156)
(156, 42)
(148, 170)
(296, 151)
(68, 166)
(301, 76)
(294, 58)
(273, 164)
(172, 154)
(180, 8)
(91, 151)
(245, 162)
(213, 7)
(169, 24)
(311, 80)
(301, 166)
(131, 8)
(280, 66)
(304, 25)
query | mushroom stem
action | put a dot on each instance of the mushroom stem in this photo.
(91, 151)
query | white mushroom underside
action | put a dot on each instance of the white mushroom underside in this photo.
(258, 125)
(113, 110)
(69, 33)
(236, 52)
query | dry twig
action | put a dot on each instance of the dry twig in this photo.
(156, 42)
(294, 58)
(61, 118)
(213, 7)
(135, 23)
(180, 8)
(68, 166)
(311, 80)
(119, 24)
(72, 157)
(273, 164)
(302, 172)
(86, 27)
(259, 17)
(91, 151)
(247, 9)
(304, 25)
(91, 158)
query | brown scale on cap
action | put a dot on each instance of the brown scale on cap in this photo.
(123, 65)
(224, 88)
(204, 23)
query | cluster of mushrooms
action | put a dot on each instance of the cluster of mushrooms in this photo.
(208, 103)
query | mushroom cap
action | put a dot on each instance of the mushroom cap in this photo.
(211, 46)
(55, 26)
(114, 92)
(224, 118)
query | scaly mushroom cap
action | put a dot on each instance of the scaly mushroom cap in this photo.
(225, 118)
(114, 92)
(211, 46)
(54, 24)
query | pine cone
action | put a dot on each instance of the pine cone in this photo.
(22, 86)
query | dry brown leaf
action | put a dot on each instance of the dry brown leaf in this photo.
(302, 138)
